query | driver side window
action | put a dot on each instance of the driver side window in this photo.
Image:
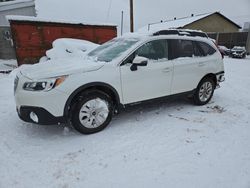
(154, 50)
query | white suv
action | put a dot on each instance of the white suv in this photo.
(126, 70)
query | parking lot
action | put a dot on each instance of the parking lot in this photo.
(173, 144)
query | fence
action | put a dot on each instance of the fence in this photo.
(231, 39)
(7, 50)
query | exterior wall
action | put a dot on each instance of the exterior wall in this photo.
(213, 23)
(6, 45)
(7, 50)
(25, 11)
(32, 39)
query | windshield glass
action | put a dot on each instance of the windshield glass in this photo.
(112, 49)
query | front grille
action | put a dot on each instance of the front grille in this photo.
(16, 84)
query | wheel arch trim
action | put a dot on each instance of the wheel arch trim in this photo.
(85, 87)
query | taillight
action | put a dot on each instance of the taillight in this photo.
(221, 52)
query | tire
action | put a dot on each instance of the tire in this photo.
(92, 112)
(204, 91)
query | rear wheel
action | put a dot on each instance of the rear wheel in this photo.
(204, 91)
(92, 112)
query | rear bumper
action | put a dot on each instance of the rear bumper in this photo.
(220, 77)
(39, 116)
(237, 55)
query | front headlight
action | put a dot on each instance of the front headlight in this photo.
(44, 85)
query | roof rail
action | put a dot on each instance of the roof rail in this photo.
(180, 32)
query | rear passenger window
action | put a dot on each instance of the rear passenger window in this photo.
(181, 48)
(197, 50)
(186, 48)
(207, 49)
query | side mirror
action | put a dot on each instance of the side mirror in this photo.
(138, 61)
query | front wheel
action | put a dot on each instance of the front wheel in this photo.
(92, 112)
(204, 91)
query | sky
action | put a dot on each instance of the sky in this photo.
(146, 11)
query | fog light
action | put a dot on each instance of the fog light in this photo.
(34, 117)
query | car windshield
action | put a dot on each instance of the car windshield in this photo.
(112, 49)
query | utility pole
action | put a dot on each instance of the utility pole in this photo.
(122, 24)
(131, 16)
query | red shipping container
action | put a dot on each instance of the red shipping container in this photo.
(33, 38)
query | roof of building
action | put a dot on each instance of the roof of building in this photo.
(59, 21)
(9, 5)
(182, 22)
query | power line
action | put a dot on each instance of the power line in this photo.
(109, 9)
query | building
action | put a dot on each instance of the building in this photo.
(210, 23)
(17, 7)
(246, 27)
(225, 31)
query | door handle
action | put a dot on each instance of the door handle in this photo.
(202, 64)
(166, 70)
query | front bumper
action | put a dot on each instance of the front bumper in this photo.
(236, 55)
(39, 116)
(52, 101)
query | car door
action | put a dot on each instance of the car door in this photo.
(208, 60)
(188, 70)
(151, 81)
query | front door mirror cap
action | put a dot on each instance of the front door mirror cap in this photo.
(140, 61)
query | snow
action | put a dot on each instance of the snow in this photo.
(169, 144)
(7, 65)
(54, 20)
(173, 24)
(67, 47)
(59, 67)
(224, 48)
(14, 2)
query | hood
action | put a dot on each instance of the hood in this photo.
(60, 67)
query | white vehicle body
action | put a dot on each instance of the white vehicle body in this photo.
(156, 79)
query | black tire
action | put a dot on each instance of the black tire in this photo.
(198, 100)
(82, 100)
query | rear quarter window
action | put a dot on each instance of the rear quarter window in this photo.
(206, 48)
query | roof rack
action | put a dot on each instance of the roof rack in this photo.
(191, 33)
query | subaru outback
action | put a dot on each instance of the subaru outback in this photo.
(87, 92)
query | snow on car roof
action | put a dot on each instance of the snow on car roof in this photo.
(14, 2)
(238, 48)
(9, 5)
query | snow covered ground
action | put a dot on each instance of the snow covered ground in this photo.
(172, 144)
